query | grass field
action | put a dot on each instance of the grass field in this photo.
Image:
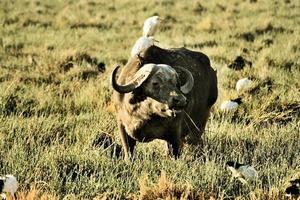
(55, 61)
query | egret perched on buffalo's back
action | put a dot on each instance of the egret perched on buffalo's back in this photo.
(8, 184)
(142, 44)
(241, 171)
(151, 25)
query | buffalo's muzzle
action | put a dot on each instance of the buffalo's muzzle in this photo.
(178, 102)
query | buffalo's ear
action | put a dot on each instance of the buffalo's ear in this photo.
(138, 96)
(186, 78)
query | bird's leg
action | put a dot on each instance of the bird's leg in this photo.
(174, 148)
(131, 144)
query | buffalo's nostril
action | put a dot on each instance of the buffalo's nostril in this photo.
(178, 101)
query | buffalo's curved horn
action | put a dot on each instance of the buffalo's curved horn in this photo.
(189, 84)
(140, 76)
(120, 88)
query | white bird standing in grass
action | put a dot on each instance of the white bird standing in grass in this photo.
(8, 184)
(231, 105)
(243, 84)
(242, 172)
(151, 25)
(141, 44)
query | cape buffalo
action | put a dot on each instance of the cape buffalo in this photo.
(164, 94)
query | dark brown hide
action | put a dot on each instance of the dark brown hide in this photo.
(185, 126)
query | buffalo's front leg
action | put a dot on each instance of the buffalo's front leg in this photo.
(131, 144)
(174, 148)
(127, 142)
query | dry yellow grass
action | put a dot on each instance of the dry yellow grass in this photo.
(166, 189)
(32, 194)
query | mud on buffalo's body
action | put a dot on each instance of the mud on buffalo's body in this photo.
(164, 94)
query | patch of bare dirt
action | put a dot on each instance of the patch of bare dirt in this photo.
(239, 63)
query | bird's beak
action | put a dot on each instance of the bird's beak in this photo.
(155, 40)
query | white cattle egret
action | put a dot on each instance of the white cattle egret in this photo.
(151, 25)
(241, 171)
(294, 189)
(231, 105)
(8, 184)
(243, 84)
(142, 44)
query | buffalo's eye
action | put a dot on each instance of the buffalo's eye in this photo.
(155, 84)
